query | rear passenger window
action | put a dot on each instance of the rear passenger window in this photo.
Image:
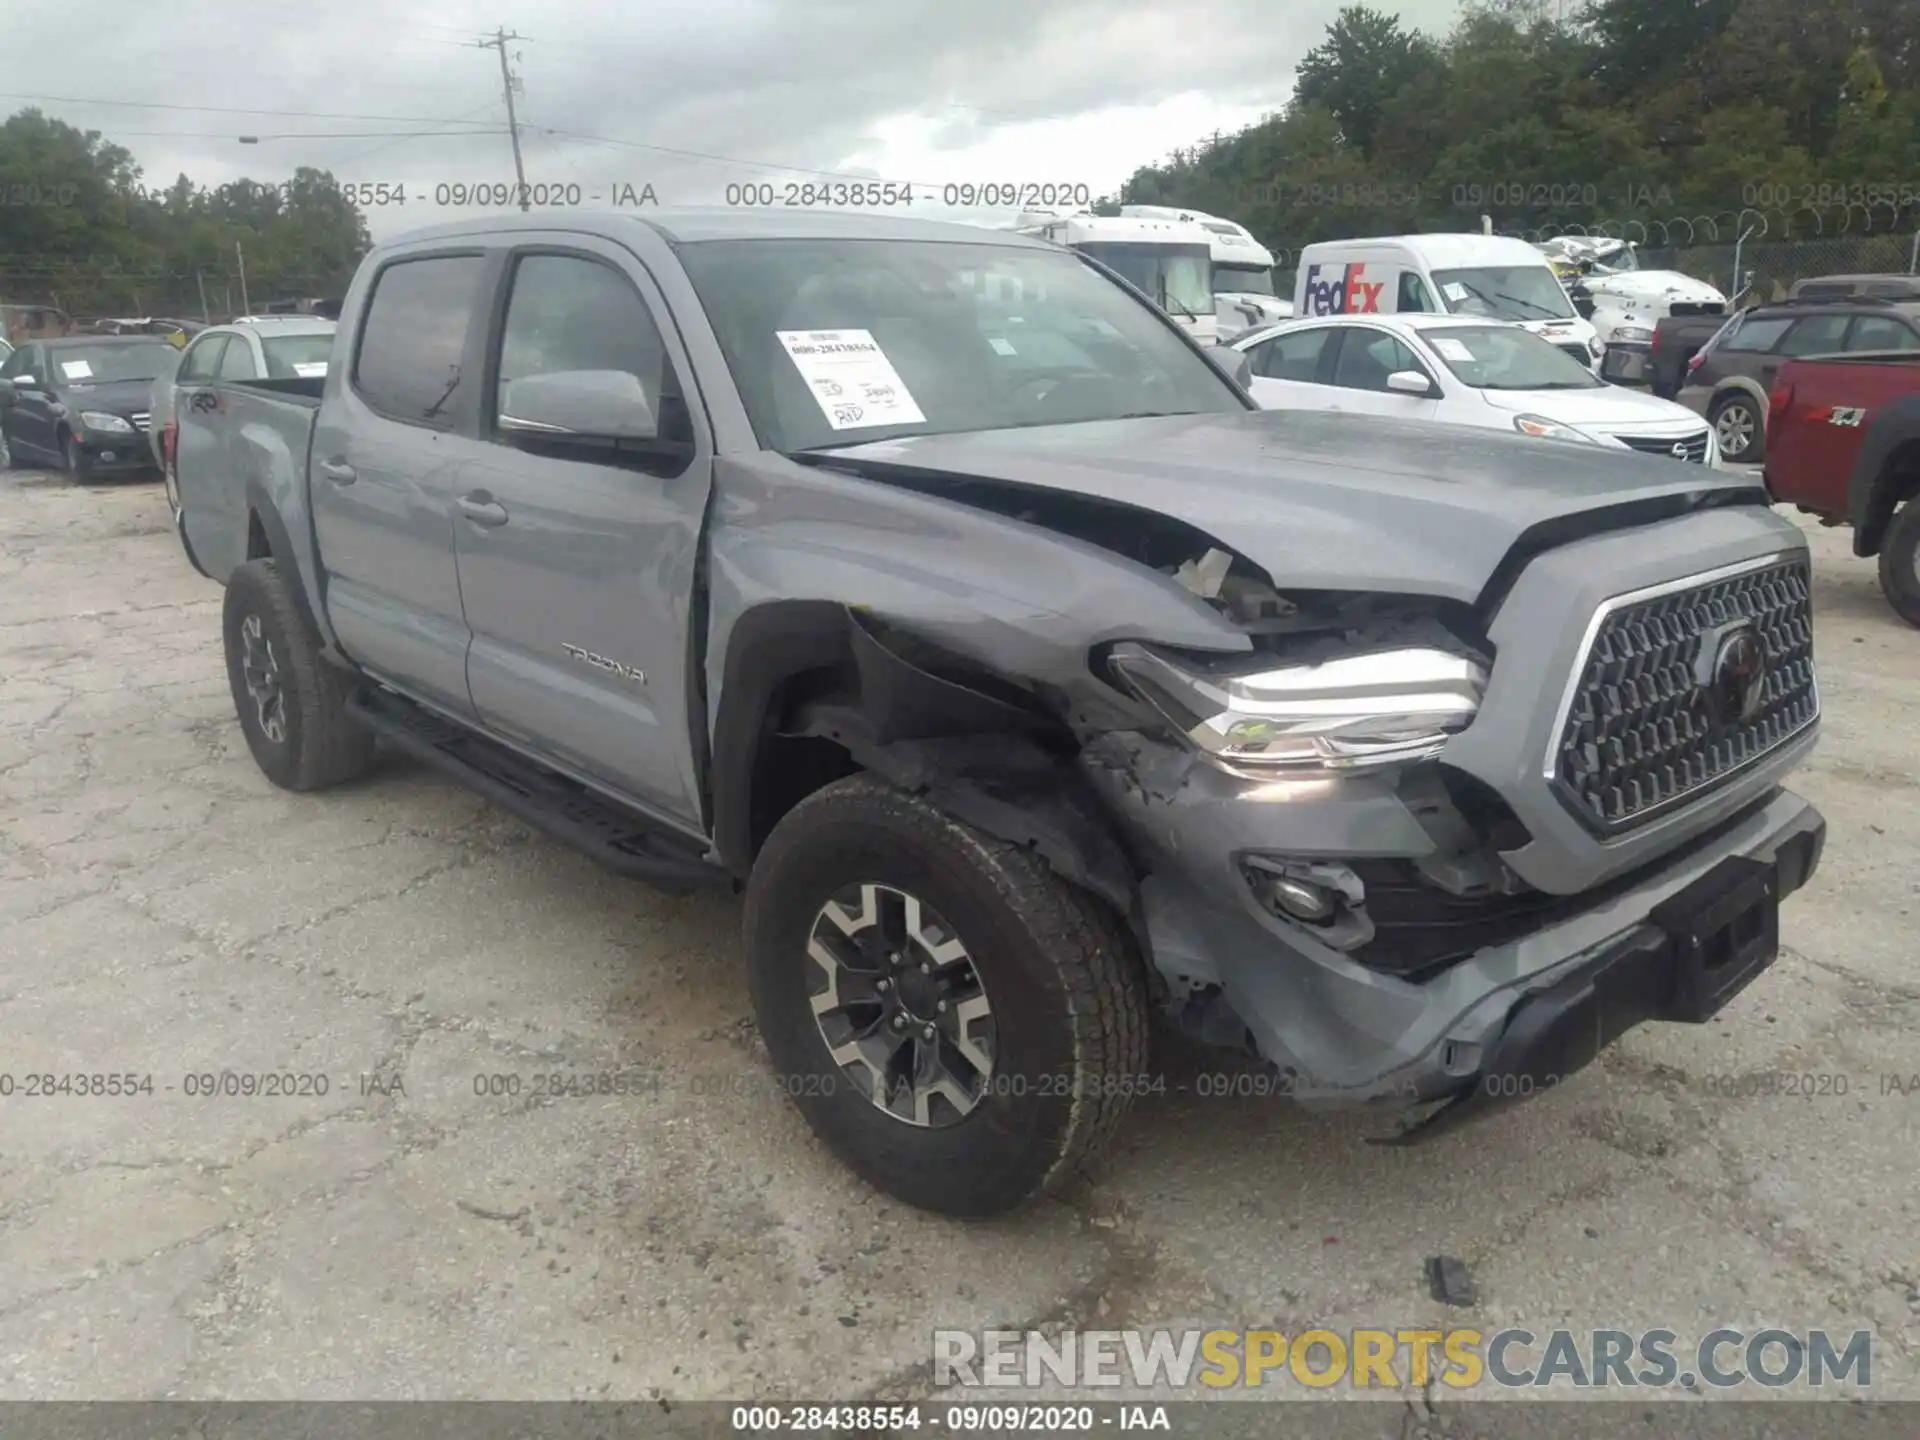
(1882, 332)
(1754, 336)
(203, 359)
(237, 363)
(415, 336)
(1816, 335)
(565, 313)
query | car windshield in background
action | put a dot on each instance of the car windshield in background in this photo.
(1505, 357)
(291, 356)
(106, 363)
(838, 342)
(1505, 292)
(1235, 280)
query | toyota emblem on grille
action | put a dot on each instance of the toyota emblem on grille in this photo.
(1732, 673)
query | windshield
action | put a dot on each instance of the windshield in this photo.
(1175, 276)
(839, 342)
(1505, 357)
(104, 364)
(289, 356)
(1505, 292)
(1242, 279)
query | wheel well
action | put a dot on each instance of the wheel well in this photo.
(1901, 477)
(257, 546)
(788, 767)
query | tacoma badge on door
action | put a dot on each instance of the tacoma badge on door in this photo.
(625, 672)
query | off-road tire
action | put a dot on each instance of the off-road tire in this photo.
(1064, 977)
(324, 745)
(1900, 563)
(1757, 447)
(6, 452)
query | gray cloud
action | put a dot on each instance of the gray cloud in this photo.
(796, 83)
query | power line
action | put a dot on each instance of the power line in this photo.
(224, 109)
(455, 120)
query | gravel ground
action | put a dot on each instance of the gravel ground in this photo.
(167, 912)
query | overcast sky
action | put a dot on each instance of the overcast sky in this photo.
(687, 97)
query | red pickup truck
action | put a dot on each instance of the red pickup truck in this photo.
(1843, 443)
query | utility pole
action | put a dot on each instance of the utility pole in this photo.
(246, 307)
(200, 280)
(507, 81)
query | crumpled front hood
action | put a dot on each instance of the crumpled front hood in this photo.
(1318, 501)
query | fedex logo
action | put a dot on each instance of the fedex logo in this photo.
(1348, 294)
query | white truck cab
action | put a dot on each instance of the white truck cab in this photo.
(1169, 260)
(1623, 301)
(1244, 296)
(1488, 277)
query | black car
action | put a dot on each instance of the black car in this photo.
(81, 403)
(1733, 372)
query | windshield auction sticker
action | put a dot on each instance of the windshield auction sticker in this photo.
(76, 369)
(851, 378)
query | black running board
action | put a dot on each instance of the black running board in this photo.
(623, 841)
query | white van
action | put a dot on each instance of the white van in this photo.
(1488, 277)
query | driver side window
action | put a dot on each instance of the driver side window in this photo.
(18, 363)
(1413, 297)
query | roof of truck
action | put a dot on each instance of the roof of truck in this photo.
(688, 225)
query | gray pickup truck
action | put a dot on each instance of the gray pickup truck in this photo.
(926, 583)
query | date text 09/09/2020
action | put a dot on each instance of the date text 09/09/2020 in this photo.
(885, 194)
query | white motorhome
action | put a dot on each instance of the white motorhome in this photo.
(1487, 277)
(1623, 301)
(1243, 290)
(1170, 260)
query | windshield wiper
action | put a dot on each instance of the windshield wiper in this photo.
(1530, 304)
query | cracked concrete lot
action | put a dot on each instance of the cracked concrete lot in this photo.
(390, 1230)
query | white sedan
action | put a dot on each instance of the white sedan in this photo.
(1462, 371)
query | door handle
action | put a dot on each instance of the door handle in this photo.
(483, 509)
(338, 471)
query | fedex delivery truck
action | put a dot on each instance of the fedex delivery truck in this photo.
(1484, 276)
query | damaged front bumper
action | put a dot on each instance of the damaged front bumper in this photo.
(1674, 940)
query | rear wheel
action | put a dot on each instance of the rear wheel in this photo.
(292, 704)
(962, 1028)
(1740, 428)
(1900, 563)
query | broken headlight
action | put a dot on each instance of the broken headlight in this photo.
(1385, 707)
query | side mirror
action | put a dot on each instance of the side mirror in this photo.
(1234, 364)
(602, 405)
(1409, 382)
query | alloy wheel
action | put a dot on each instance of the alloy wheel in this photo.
(900, 1005)
(1734, 429)
(261, 670)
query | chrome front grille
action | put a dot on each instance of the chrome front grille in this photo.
(1649, 718)
(142, 421)
(1691, 448)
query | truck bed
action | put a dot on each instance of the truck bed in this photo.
(252, 433)
(1824, 410)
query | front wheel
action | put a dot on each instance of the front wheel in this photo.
(74, 460)
(292, 704)
(1900, 563)
(1740, 428)
(6, 449)
(962, 1028)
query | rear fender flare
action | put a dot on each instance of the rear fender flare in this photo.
(1886, 473)
(296, 564)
